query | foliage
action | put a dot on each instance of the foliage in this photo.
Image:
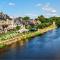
(43, 25)
(8, 35)
(17, 27)
(41, 18)
(57, 20)
(26, 18)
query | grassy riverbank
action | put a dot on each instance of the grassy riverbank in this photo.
(17, 37)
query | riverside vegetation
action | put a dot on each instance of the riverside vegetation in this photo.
(43, 25)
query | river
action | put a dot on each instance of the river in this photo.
(43, 47)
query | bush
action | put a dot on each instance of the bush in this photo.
(17, 27)
(58, 23)
(43, 25)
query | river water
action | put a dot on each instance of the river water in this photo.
(45, 47)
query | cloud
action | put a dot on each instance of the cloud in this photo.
(29, 14)
(11, 17)
(38, 5)
(11, 4)
(54, 11)
(47, 9)
(48, 14)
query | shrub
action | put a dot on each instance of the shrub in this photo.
(17, 27)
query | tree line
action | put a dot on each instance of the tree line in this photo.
(41, 22)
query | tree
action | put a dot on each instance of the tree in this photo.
(17, 27)
(26, 18)
(41, 18)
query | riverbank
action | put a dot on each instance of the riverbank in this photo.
(25, 36)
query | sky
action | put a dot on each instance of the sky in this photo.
(31, 8)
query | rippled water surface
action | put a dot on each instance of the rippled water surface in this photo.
(45, 47)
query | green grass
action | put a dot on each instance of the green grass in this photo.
(8, 35)
(22, 36)
(2, 46)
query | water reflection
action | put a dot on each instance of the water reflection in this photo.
(43, 47)
(13, 47)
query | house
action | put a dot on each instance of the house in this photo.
(34, 22)
(6, 22)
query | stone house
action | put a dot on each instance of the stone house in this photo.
(6, 22)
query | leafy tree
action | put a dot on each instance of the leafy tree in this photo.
(17, 27)
(56, 19)
(26, 18)
(41, 18)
